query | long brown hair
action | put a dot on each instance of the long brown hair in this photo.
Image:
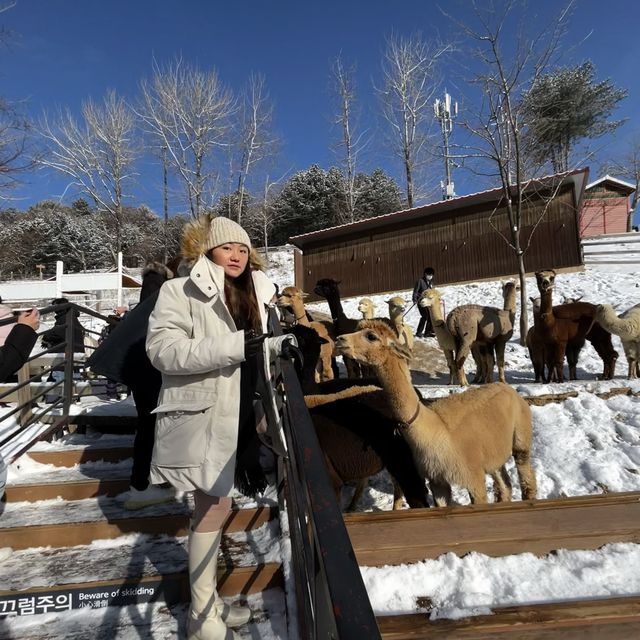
(242, 302)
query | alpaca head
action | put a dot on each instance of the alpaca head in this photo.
(366, 308)
(536, 303)
(396, 306)
(373, 344)
(429, 298)
(545, 280)
(289, 297)
(326, 287)
(509, 287)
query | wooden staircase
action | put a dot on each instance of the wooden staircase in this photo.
(76, 547)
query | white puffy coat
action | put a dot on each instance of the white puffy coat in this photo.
(193, 341)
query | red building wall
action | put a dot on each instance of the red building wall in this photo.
(603, 215)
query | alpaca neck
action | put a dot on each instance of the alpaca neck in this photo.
(367, 314)
(546, 307)
(395, 379)
(435, 311)
(510, 304)
(299, 311)
(397, 322)
(335, 306)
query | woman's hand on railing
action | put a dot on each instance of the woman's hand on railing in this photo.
(31, 318)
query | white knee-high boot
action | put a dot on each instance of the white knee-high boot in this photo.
(205, 621)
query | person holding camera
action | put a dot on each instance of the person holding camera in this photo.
(207, 337)
(19, 342)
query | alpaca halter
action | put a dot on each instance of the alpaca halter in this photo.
(408, 423)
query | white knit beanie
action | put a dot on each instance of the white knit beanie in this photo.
(223, 230)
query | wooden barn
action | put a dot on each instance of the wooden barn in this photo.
(460, 238)
(606, 207)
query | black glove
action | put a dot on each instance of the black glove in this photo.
(253, 345)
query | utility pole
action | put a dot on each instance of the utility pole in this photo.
(445, 112)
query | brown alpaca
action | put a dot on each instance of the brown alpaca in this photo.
(459, 439)
(328, 289)
(563, 330)
(292, 300)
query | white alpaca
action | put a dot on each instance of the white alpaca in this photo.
(627, 326)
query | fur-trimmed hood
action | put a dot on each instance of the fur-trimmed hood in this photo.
(194, 242)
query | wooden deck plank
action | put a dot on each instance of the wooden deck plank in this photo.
(75, 533)
(69, 490)
(231, 581)
(609, 618)
(71, 457)
(536, 526)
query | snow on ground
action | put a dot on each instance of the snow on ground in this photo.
(584, 445)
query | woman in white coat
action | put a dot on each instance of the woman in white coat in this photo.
(203, 334)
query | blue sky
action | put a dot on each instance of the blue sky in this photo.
(64, 51)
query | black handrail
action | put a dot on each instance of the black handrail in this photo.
(64, 348)
(331, 596)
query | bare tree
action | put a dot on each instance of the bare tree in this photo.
(409, 82)
(189, 112)
(257, 141)
(263, 215)
(629, 167)
(352, 142)
(499, 126)
(98, 154)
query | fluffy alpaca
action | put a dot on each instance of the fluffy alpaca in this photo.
(356, 434)
(535, 345)
(459, 439)
(564, 328)
(627, 326)
(431, 300)
(291, 300)
(366, 308)
(490, 326)
(396, 315)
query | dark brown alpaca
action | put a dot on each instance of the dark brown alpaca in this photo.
(328, 289)
(563, 330)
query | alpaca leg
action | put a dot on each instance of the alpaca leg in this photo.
(489, 363)
(357, 494)
(501, 485)
(478, 357)
(558, 361)
(526, 474)
(478, 489)
(500, 359)
(398, 495)
(572, 361)
(451, 363)
(441, 492)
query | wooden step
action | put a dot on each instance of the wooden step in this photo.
(81, 531)
(605, 619)
(129, 557)
(69, 490)
(69, 457)
(536, 526)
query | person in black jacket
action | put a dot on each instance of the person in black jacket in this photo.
(19, 343)
(121, 356)
(57, 334)
(426, 282)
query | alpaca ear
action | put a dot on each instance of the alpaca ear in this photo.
(401, 351)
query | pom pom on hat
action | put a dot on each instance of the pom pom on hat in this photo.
(223, 230)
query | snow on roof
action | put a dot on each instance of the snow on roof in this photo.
(608, 178)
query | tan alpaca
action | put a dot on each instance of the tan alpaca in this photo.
(292, 300)
(459, 439)
(396, 315)
(469, 323)
(366, 308)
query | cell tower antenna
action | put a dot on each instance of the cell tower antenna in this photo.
(445, 112)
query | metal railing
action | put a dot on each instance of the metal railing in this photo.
(332, 600)
(56, 396)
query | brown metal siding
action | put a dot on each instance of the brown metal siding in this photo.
(460, 246)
